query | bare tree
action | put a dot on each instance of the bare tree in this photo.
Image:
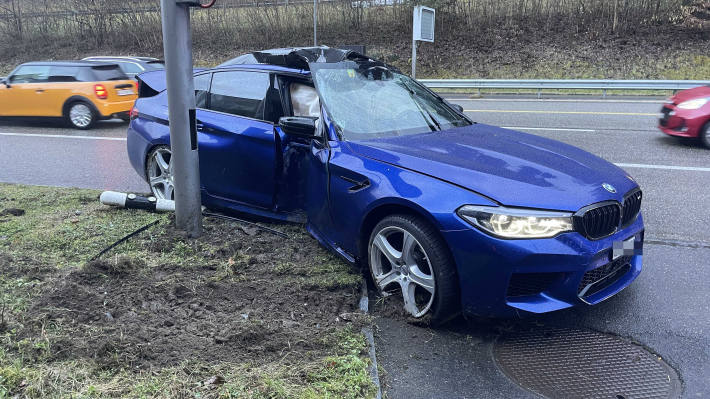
(13, 10)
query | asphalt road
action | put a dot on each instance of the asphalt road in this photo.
(666, 309)
(46, 153)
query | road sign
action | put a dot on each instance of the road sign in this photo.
(424, 24)
(422, 30)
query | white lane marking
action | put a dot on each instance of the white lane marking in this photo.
(63, 136)
(666, 167)
(560, 129)
(552, 100)
(538, 111)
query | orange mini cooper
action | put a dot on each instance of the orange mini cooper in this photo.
(80, 92)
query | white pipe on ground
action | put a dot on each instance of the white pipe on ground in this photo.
(132, 201)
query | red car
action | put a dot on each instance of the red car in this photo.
(687, 114)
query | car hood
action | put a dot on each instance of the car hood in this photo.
(696, 92)
(512, 168)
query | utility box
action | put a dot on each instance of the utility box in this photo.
(424, 23)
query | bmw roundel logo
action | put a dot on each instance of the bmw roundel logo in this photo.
(608, 187)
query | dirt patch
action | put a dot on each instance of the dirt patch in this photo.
(12, 211)
(240, 302)
(24, 267)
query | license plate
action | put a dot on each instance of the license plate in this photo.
(623, 248)
(125, 92)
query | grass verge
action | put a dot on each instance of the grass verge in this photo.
(238, 313)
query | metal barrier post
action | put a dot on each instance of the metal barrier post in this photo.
(177, 43)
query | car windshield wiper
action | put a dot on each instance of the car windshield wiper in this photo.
(430, 120)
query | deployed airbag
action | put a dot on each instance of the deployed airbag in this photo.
(304, 100)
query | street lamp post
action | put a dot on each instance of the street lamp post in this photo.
(177, 43)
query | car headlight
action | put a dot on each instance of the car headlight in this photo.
(516, 222)
(693, 104)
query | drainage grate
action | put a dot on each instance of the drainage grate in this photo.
(569, 363)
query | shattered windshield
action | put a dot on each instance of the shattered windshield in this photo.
(367, 100)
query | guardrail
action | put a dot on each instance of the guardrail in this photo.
(542, 84)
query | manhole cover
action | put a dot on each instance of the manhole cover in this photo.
(570, 363)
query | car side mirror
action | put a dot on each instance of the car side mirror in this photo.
(5, 82)
(299, 126)
(458, 107)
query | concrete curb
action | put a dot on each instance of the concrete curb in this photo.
(367, 331)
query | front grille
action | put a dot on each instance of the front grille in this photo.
(600, 221)
(603, 219)
(666, 115)
(603, 276)
(524, 284)
(632, 206)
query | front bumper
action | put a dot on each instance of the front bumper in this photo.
(681, 122)
(504, 278)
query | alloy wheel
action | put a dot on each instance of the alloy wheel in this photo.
(160, 174)
(398, 261)
(81, 115)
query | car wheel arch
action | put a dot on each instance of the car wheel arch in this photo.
(383, 209)
(79, 99)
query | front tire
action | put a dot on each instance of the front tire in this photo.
(407, 256)
(80, 115)
(705, 135)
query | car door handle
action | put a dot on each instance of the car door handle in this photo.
(39, 91)
(199, 125)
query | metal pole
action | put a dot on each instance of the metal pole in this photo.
(177, 43)
(315, 22)
(414, 44)
(414, 59)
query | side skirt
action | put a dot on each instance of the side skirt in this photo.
(224, 204)
(329, 245)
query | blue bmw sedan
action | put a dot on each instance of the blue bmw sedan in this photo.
(451, 215)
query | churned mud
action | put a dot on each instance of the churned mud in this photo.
(255, 295)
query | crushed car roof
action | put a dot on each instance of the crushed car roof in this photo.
(300, 57)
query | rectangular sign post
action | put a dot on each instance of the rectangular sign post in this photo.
(177, 43)
(422, 30)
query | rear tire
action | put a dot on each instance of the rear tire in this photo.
(705, 135)
(80, 115)
(408, 257)
(159, 172)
